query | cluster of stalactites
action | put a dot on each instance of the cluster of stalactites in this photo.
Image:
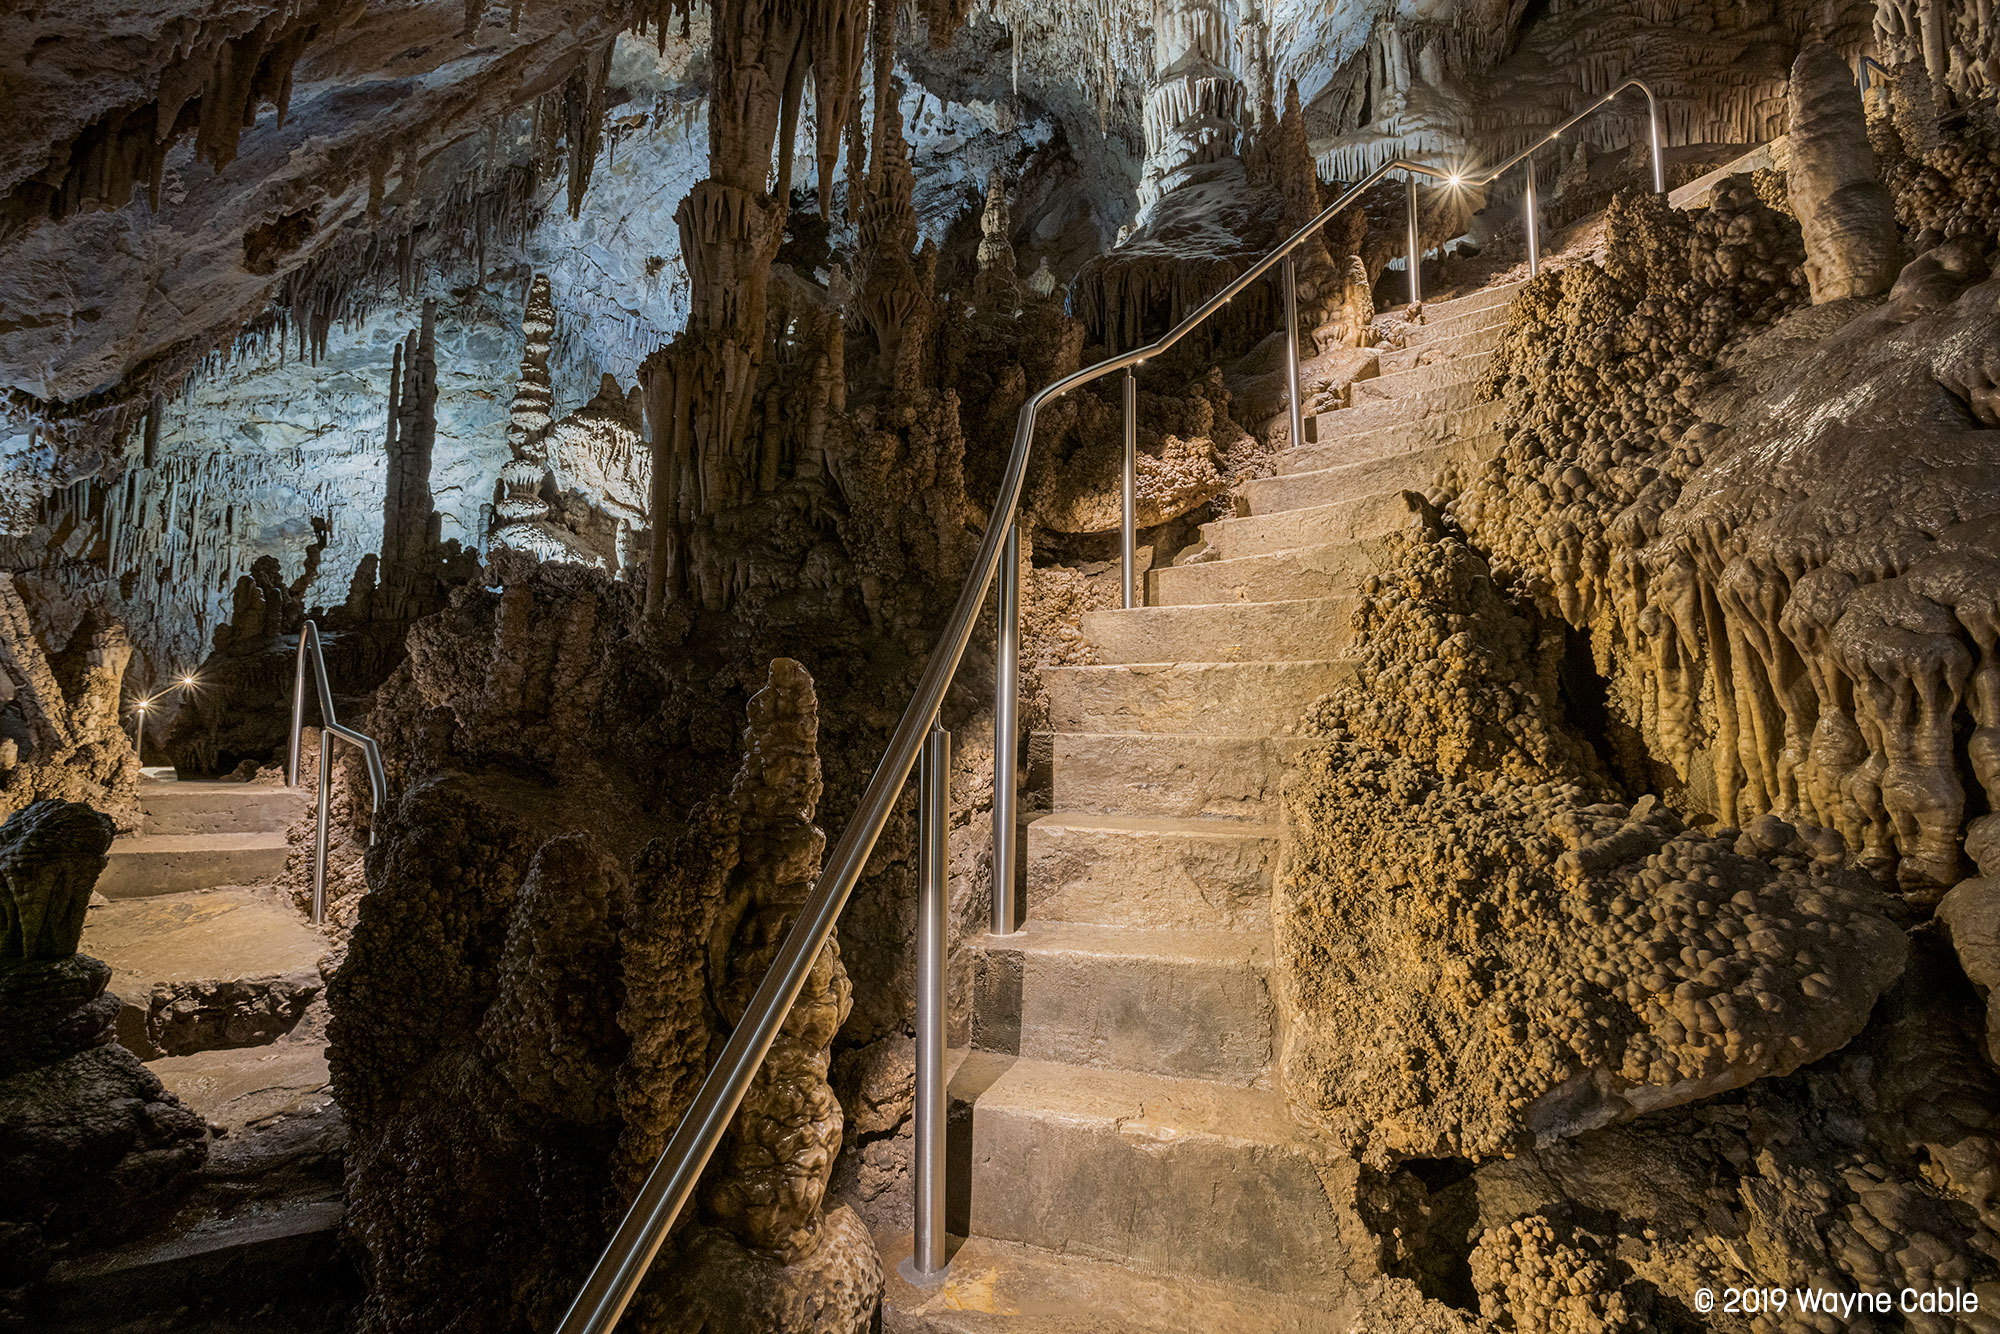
(1956, 43)
(213, 78)
(1196, 107)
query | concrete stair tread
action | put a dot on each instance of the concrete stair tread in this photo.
(1137, 1105)
(1400, 384)
(1005, 1286)
(146, 844)
(1092, 941)
(1482, 299)
(219, 933)
(1412, 471)
(1390, 441)
(1169, 872)
(1283, 630)
(1185, 697)
(1223, 778)
(1160, 826)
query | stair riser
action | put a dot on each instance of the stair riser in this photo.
(1230, 633)
(1416, 471)
(1463, 324)
(1368, 519)
(1303, 491)
(1148, 880)
(1223, 699)
(1306, 572)
(1145, 1195)
(264, 811)
(1422, 380)
(141, 875)
(1468, 338)
(1373, 416)
(1461, 306)
(1435, 429)
(1208, 777)
(1183, 1018)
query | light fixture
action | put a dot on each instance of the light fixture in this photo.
(187, 682)
(1454, 180)
(143, 705)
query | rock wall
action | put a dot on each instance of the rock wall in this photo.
(1484, 952)
(93, 1149)
(1784, 594)
(61, 734)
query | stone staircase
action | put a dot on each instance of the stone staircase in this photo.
(201, 959)
(1120, 1148)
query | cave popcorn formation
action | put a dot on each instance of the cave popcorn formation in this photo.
(1528, 861)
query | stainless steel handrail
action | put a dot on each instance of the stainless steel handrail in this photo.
(330, 726)
(622, 1267)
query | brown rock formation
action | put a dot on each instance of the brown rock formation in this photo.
(998, 284)
(1850, 226)
(51, 854)
(1483, 954)
(1971, 914)
(60, 732)
(92, 1149)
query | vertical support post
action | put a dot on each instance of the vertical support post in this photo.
(298, 708)
(1416, 246)
(320, 831)
(1128, 495)
(1533, 211)
(1292, 351)
(1653, 131)
(139, 743)
(927, 1254)
(1006, 732)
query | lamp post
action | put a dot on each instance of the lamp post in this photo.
(185, 682)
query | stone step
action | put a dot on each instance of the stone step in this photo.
(1223, 698)
(1434, 345)
(176, 863)
(1415, 471)
(1191, 1004)
(204, 970)
(1319, 571)
(188, 807)
(271, 1265)
(999, 1287)
(1221, 632)
(1431, 429)
(1151, 872)
(1375, 414)
(1486, 298)
(1174, 1175)
(1422, 380)
(1362, 519)
(1136, 773)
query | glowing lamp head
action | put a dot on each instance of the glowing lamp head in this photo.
(1454, 180)
(187, 680)
(143, 705)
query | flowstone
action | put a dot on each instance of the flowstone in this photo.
(1484, 952)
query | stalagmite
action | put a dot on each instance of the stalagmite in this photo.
(1852, 248)
(998, 284)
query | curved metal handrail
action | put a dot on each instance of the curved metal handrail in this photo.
(330, 726)
(622, 1267)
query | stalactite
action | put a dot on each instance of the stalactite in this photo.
(583, 95)
(210, 87)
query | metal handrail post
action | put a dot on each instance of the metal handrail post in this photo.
(1292, 350)
(298, 708)
(927, 1252)
(330, 727)
(1416, 247)
(1128, 496)
(1531, 210)
(1653, 134)
(1006, 732)
(320, 830)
